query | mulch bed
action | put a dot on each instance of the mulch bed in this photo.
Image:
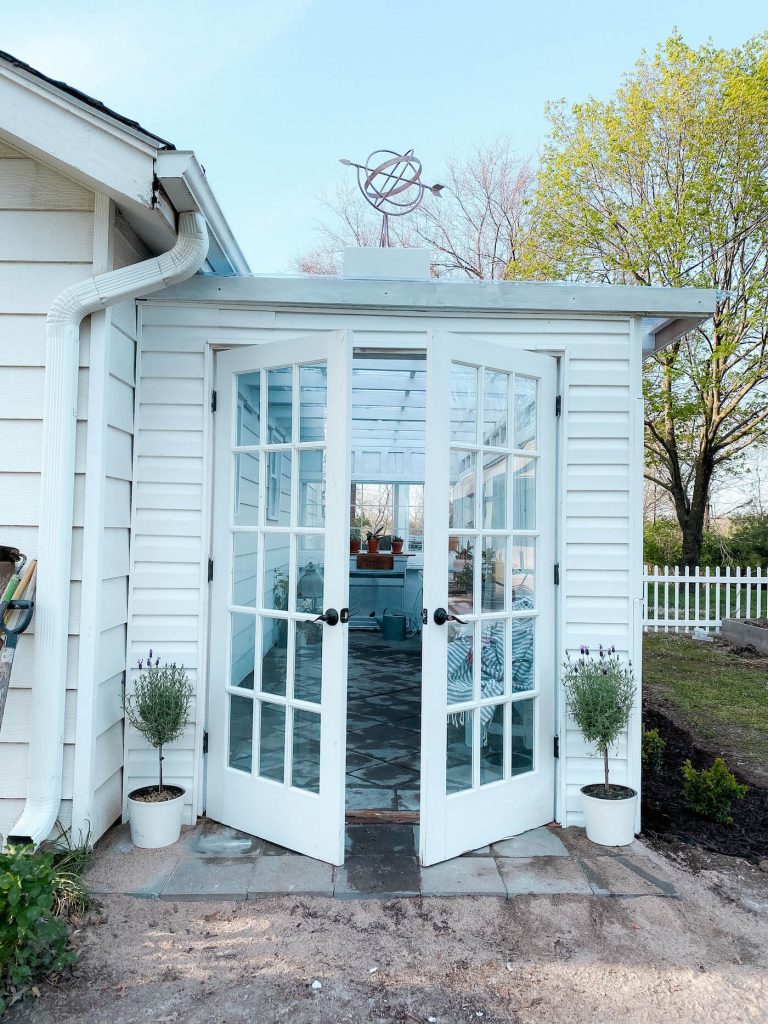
(666, 817)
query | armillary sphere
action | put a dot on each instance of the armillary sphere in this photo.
(391, 183)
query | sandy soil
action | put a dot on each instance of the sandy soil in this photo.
(532, 959)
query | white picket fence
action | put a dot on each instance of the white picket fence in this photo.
(676, 600)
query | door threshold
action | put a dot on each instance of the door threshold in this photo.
(382, 817)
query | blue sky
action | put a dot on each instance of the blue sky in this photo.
(270, 93)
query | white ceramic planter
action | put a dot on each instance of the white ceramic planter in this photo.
(155, 824)
(610, 822)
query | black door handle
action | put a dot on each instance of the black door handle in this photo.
(441, 616)
(330, 617)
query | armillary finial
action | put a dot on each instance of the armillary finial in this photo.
(391, 183)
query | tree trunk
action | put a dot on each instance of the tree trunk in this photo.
(160, 753)
(605, 765)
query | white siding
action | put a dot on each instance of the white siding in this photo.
(46, 232)
(599, 455)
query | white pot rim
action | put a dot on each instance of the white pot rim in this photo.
(630, 793)
(156, 803)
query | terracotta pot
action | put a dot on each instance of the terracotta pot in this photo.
(397, 547)
(354, 547)
(373, 545)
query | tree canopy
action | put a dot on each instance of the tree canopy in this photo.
(666, 183)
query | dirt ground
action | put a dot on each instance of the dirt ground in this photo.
(584, 960)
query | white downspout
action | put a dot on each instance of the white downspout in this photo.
(57, 483)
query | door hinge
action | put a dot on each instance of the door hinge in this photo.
(558, 404)
(205, 742)
(557, 574)
(210, 570)
(555, 751)
(213, 400)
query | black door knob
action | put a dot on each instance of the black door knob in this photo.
(441, 616)
(330, 617)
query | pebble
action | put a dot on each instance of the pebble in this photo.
(763, 865)
(317, 985)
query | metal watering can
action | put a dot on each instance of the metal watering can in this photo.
(393, 624)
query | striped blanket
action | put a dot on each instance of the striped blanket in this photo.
(461, 657)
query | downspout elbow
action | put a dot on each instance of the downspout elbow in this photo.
(57, 474)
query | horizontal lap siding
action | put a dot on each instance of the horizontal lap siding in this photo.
(46, 243)
(596, 548)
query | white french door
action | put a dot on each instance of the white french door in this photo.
(278, 676)
(487, 765)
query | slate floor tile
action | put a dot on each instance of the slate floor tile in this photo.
(543, 876)
(380, 840)
(539, 842)
(394, 875)
(291, 873)
(369, 798)
(467, 876)
(223, 878)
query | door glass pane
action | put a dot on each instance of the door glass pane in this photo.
(240, 732)
(246, 499)
(463, 403)
(493, 660)
(461, 574)
(461, 507)
(495, 491)
(523, 635)
(525, 412)
(313, 390)
(279, 405)
(248, 408)
(495, 403)
(308, 661)
(492, 573)
(272, 741)
(460, 648)
(278, 510)
(312, 488)
(523, 573)
(492, 746)
(310, 573)
(274, 644)
(524, 494)
(458, 769)
(522, 736)
(306, 750)
(243, 650)
(277, 554)
(244, 546)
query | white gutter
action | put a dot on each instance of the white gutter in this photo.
(57, 479)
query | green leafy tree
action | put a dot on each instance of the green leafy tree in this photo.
(665, 184)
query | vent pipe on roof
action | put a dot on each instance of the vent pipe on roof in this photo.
(57, 481)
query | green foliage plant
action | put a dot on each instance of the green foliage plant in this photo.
(33, 941)
(664, 183)
(158, 706)
(600, 693)
(652, 750)
(711, 791)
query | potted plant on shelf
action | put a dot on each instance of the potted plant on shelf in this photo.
(600, 693)
(373, 539)
(397, 545)
(354, 542)
(158, 708)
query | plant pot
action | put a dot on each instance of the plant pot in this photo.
(397, 547)
(610, 822)
(354, 547)
(155, 823)
(373, 545)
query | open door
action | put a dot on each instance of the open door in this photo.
(489, 654)
(278, 650)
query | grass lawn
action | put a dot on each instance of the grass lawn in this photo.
(722, 695)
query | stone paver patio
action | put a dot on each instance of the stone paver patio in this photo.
(215, 862)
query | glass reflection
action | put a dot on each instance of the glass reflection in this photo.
(494, 492)
(312, 488)
(459, 742)
(460, 688)
(274, 658)
(244, 573)
(523, 573)
(308, 662)
(492, 748)
(495, 403)
(462, 489)
(277, 558)
(246, 504)
(272, 741)
(523, 648)
(493, 660)
(525, 412)
(305, 772)
(278, 510)
(493, 574)
(279, 405)
(240, 733)
(524, 494)
(313, 399)
(522, 737)
(463, 403)
(248, 408)
(461, 575)
(242, 650)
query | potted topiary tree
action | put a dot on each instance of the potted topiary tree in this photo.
(600, 693)
(158, 708)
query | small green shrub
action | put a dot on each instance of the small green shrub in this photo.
(711, 791)
(32, 940)
(652, 750)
